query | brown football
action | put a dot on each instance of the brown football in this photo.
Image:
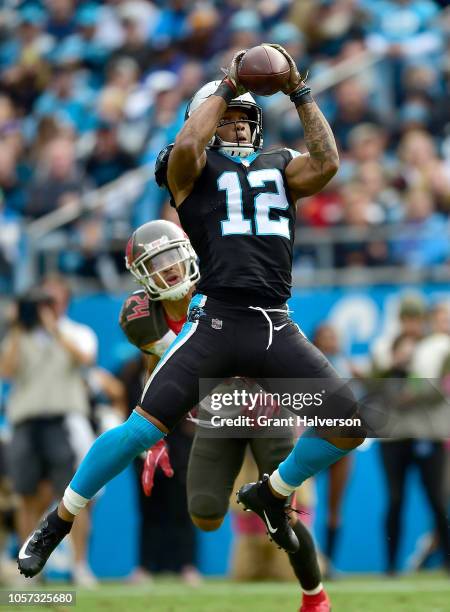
(263, 70)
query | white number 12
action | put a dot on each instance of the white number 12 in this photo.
(264, 203)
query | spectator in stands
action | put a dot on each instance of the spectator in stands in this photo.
(291, 38)
(58, 180)
(403, 28)
(202, 25)
(191, 78)
(331, 23)
(77, 423)
(135, 45)
(367, 142)
(245, 29)
(423, 239)
(360, 214)
(43, 355)
(352, 108)
(47, 129)
(374, 177)
(12, 184)
(11, 127)
(409, 321)
(419, 420)
(432, 350)
(23, 69)
(121, 82)
(63, 99)
(94, 53)
(61, 18)
(170, 24)
(420, 166)
(108, 160)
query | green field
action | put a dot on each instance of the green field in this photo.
(418, 593)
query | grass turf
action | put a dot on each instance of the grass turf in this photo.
(418, 593)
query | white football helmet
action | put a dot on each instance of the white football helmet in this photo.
(162, 260)
(246, 102)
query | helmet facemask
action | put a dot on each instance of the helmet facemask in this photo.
(245, 102)
(236, 148)
(168, 270)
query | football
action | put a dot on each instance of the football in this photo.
(263, 70)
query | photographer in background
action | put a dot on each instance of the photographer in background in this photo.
(43, 355)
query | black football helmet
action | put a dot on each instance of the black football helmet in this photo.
(248, 104)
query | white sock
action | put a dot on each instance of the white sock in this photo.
(278, 484)
(74, 502)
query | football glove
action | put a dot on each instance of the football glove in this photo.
(295, 78)
(157, 455)
(231, 73)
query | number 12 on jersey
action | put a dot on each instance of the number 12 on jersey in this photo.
(264, 203)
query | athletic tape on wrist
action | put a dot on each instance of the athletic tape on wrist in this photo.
(226, 91)
(301, 96)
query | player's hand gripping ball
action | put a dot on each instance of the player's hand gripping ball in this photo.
(264, 70)
(231, 73)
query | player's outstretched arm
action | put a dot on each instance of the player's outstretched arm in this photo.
(309, 173)
(187, 158)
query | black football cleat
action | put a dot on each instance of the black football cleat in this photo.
(273, 513)
(37, 549)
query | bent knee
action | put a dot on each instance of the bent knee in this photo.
(358, 441)
(206, 524)
(346, 443)
(207, 509)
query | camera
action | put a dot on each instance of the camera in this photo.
(28, 307)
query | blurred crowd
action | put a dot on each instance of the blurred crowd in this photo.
(90, 90)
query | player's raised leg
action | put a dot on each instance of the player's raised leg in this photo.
(292, 356)
(110, 454)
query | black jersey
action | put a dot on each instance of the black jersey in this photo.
(240, 220)
(143, 323)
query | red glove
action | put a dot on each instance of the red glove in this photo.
(156, 455)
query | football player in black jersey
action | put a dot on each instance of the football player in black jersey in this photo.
(162, 260)
(237, 205)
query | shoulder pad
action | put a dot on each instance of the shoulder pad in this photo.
(161, 165)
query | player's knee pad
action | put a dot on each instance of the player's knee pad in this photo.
(207, 524)
(204, 508)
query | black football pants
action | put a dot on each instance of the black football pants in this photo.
(222, 340)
